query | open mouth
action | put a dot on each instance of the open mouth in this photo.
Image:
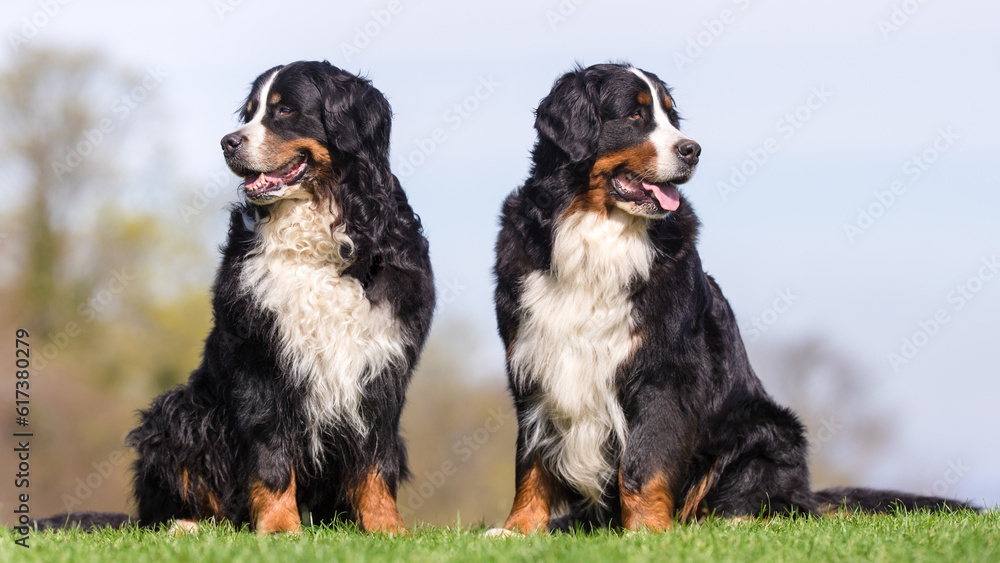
(262, 183)
(633, 188)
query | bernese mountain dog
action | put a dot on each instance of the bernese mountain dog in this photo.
(636, 403)
(322, 304)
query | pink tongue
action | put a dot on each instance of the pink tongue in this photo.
(669, 197)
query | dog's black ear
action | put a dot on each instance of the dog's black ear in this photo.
(568, 116)
(357, 122)
(356, 116)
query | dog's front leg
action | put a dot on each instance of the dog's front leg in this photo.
(273, 507)
(375, 504)
(653, 460)
(646, 503)
(536, 493)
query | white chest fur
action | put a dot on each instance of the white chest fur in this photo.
(576, 330)
(333, 340)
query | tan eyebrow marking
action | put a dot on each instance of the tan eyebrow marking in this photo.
(669, 102)
(275, 98)
(644, 98)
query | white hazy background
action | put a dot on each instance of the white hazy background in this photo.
(894, 74)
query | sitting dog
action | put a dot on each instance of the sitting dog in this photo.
(636, 404)
(322, 304)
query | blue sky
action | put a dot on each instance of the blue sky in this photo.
(846, 101)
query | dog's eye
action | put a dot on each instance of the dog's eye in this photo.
(635, 114)
(284, 111)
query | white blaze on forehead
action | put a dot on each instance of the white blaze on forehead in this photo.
(664, 137)
(254, 129)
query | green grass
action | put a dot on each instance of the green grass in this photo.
(902, 537)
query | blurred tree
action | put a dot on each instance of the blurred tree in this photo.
(460, 427)
(91, 266)
(828, 392)
(48, 102)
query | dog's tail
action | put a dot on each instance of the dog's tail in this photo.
(872, 500)
(86, 521)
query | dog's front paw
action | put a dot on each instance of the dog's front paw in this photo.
(182, 527)
(502, 533)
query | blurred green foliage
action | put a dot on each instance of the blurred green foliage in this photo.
(85, 251)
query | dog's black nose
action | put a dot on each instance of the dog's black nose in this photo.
(689, 151)
(231, 142)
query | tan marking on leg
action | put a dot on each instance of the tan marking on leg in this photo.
(185, 482)
(274, 511)
(536, 493)
(199, 498)
(375, 505)
(651, 507)
(693, 508)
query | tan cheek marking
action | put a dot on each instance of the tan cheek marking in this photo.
(639, 159)
(276, 152)
(596, 198)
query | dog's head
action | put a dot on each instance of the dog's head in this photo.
(304, 125)
(621, 123)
